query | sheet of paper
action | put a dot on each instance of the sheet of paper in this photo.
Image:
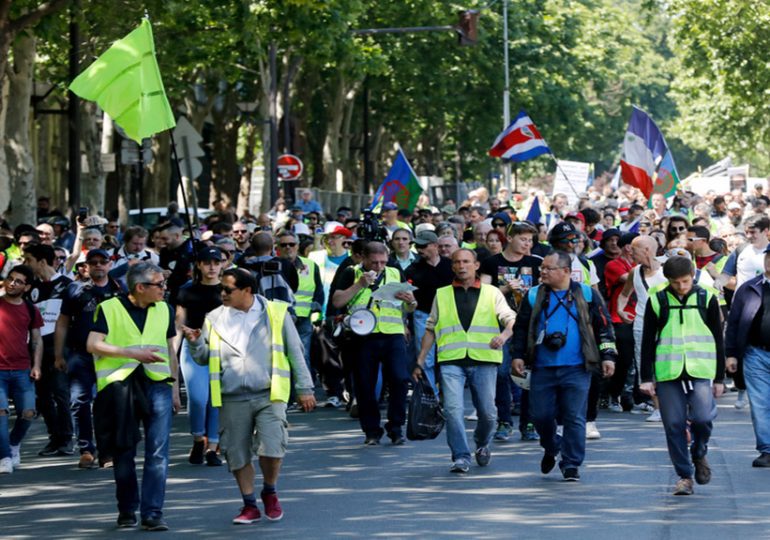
(387, 292)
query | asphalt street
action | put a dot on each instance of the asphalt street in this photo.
(333, 487)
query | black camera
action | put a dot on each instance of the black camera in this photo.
(555, 341)
(370, 229)
(270, 268)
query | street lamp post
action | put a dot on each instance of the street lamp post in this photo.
(506, 91)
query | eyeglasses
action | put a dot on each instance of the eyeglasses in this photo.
(551, 268)
(288, 244)
(159, 284)
(229, 290)
(16, 282)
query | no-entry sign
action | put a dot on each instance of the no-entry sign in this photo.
(289, 167)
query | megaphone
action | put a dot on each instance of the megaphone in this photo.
(361, 322)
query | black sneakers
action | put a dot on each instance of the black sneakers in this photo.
(762, 461)
(702, 470)
(571, 474)
(196, 454)
(212, 459)
(126, 520)
(547, 463)
(483, 455)
(154, 524)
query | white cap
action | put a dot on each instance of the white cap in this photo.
(301, 228)
(331, 225)
(424, 227)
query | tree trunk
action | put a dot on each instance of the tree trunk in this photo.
(248, 166)
(92, 182)
(225, 177)
(17, 144)
(5, 182)
(157, 176)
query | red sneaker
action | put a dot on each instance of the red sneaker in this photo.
(273, 510)
(249, 514)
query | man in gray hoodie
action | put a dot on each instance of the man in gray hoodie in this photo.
(253, 351)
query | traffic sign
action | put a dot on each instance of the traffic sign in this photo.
(289, 167)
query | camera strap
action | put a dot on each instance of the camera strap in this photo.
(561, 303)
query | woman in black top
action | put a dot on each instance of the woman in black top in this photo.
(195, 299)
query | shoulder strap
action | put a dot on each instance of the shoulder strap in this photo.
(703, 304)
(662, 297)
(584, 262)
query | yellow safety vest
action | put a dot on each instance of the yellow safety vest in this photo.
(124, 333)
(454, 343)
(280, 381)
(303, 298)
(389, 315)
(685, 342)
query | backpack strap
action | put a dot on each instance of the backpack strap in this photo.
(664, 309)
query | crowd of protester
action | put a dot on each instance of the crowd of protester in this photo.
(328, 266)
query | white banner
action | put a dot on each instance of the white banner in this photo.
(571, 172)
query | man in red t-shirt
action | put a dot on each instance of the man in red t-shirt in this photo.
(19, 320)
(616, 273)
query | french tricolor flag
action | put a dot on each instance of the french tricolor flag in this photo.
(643, 150)
(520, 141)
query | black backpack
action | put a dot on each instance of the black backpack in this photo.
(665, 308)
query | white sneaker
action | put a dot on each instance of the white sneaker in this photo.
(16, 455)
(741, 402)
(592, 432)
(333, 402)
(6, 466)
(473, 417)
(654, 417)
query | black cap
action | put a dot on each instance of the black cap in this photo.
(97, 253)
(209, 254)
(561, 231)
(627, 238)
(609, 233)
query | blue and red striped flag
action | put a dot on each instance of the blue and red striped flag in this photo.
(520, 141)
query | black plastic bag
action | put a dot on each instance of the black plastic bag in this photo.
(425, 419)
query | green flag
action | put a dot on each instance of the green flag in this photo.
(125, 82)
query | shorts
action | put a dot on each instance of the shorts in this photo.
(256, 426)
(16, 384)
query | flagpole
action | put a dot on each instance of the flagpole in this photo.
(181, 185)
(506, 91)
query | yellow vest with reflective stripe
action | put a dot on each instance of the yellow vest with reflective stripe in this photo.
(389, 315)
(685, 343)
(303, 298)
(122, 332)
(453, 342)
(280, 381)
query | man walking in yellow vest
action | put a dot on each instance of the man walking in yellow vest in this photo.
(465, 323)
(129, 331)
(252, 349)
(682, 350)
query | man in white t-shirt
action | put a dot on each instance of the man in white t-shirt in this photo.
(748, 260)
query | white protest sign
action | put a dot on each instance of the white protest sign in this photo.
(574, 173)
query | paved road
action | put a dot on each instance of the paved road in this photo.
(332, 486)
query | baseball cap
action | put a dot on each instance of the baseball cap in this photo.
(425, 237)
(561, 231)
(626, 238)
(210, 254)
(97, 253)
(733, 206)
(301, 228)
(424, 227)
(576, 215)
(389, 206)
(342, 231)
(609, 233)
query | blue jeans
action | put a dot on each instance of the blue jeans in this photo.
(503, 395)
(15, 384)
(481, 379)
(561, 392)
(681, 401)
(756, 370)
(82, 379)
(420, 318)
(204, 419)
(157, 427)
(375, 351)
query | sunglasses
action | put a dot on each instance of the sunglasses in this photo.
(229, 290)
(677, 229)
(159, 284)
(347, 244)
(498, 224)
(288, 244)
